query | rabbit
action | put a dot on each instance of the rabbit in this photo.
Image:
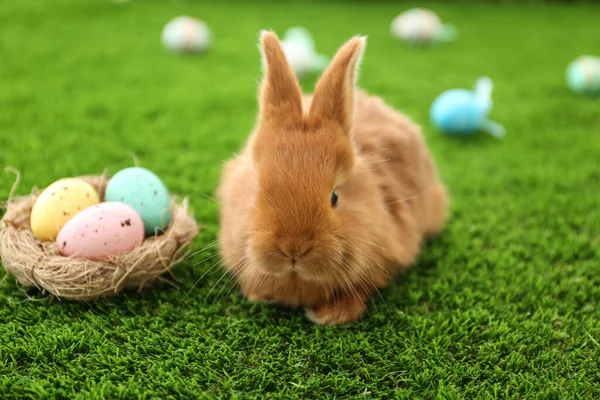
(332, 194)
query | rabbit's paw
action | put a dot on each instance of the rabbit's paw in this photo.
(340, 311)
(256, 297)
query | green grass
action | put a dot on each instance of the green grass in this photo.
(504, 304)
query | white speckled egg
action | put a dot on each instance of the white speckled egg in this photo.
(420, 25)
(101, 231)
(583, 75)
(58, 203)
(145, 193)
(185, 35)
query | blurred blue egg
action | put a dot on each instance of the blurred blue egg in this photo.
(463, 112)
(457, 111)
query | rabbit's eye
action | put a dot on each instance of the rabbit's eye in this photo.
(334, 198)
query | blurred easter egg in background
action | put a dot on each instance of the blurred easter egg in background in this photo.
(583, 75)
(463, 112)
(300, 34)
(186, 35)
(421, 26)
(58, 203)
(101, 231)
(456, 111)
(300, 51)
(142, 190)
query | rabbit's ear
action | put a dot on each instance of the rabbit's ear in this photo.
(280, 97)
(333, 99)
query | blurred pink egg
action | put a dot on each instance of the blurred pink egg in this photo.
(101, 231)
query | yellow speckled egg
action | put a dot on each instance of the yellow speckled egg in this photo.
(58, 203)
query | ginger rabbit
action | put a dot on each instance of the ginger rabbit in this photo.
(332, 194)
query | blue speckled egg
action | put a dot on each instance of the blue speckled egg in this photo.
(142, 190)
(458, 112)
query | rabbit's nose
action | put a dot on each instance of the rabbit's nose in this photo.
(294, 253)
(299, 254)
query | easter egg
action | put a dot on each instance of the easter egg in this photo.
(300, 52)
(142, 190)
(299, 56)
(420, 25)
(58, 203)
(186, 35)
(300, 34)
(456, 111)
(583, 75)
(101, 231)
(463, 112)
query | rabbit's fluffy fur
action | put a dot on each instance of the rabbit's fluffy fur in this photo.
(281, 234)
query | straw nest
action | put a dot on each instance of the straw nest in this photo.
(37, 263)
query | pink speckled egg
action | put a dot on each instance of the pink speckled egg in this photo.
(101, 231)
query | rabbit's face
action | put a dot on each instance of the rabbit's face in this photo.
(297, 227)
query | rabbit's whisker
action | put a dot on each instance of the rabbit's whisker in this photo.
(211, 244)
(378, 161)
(406, 199)
(374, 152)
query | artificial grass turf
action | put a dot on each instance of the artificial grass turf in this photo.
(502, 305)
